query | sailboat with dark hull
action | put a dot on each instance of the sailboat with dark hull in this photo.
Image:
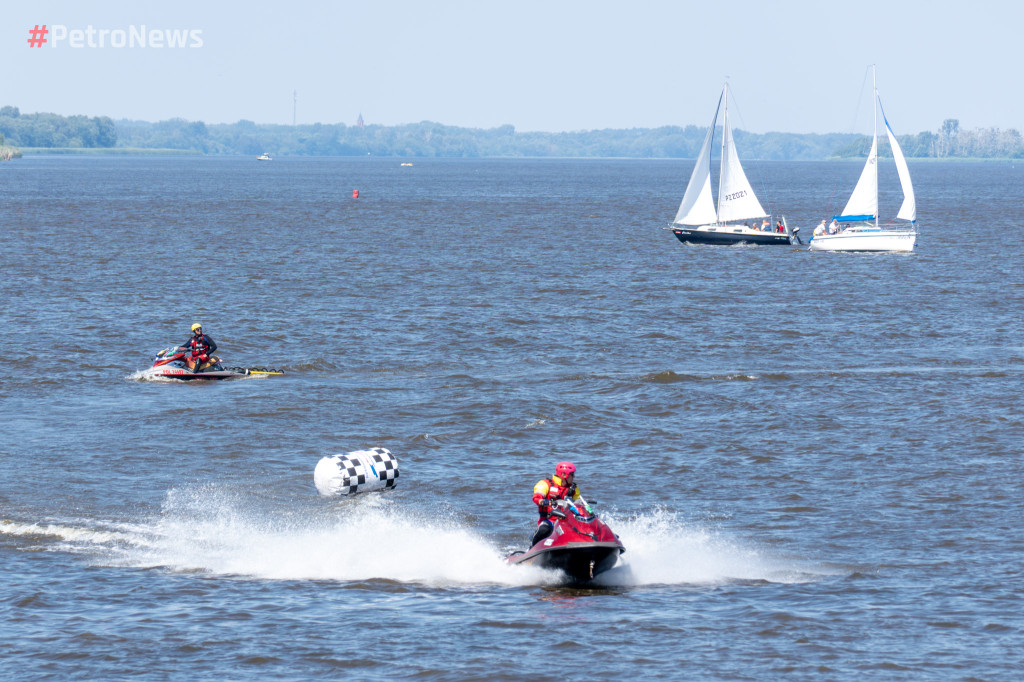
(700, 220)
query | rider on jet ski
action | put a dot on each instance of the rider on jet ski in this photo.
(201, 345)
(558, 487)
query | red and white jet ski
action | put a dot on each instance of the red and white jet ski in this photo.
(173, 363)
(581, 545)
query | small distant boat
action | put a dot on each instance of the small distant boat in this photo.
(857, 228)
(700, 221)
(406, 164)
(264, 157)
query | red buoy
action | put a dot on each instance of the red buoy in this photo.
(355, 194)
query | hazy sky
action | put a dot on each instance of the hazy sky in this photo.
(551, 65)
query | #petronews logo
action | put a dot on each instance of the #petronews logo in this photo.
(131, 37)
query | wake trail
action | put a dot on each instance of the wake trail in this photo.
(216, 531)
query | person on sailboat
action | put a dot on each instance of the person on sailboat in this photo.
(820, 229)
(834, 228)
(779, 227)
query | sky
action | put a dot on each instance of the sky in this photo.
(554, 65)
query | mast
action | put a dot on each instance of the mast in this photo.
(874, 108)
(721, 161)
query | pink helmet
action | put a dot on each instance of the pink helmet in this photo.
(565, 469)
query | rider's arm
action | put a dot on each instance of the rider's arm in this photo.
(213, 344)
(540, 492)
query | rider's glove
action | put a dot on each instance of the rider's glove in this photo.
(545, 504)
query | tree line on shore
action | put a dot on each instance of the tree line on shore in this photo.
(53, 130)
(429, 139)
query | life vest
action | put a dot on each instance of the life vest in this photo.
(548, 489)
(199, 345)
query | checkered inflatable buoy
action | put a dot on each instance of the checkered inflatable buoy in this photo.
(356, 472)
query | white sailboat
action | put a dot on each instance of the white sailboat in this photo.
(700, 220)
(857, 228)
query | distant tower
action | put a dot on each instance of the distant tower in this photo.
(295, 104)
(359, 121)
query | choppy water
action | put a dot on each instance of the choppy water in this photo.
(814, 460)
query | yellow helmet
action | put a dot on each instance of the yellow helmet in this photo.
(196, 326)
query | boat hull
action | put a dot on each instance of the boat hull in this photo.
(729, 234)
(581, 561)
(184, 374)
(171, 363)
(866, 240)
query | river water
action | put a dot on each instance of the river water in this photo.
(813, 459)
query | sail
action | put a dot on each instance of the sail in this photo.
(864, 200)
(908, 211)
(736, 199)
(697, 207)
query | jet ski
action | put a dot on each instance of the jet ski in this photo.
(172, 363)
(581, 545)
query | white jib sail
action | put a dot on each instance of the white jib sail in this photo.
(698, 207)
(737, 200)
(864, 200)
(908, 211)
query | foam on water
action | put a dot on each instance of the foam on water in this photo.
(222, 532)
(145, 375)
(661, 549)
(59, 531)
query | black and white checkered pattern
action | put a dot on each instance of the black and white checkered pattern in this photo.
(356, 472)
(387, 467)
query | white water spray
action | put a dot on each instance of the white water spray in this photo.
(215, 531)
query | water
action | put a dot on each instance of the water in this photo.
(813, 460)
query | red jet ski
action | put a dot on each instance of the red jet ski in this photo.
(171, 363)
(581, 545)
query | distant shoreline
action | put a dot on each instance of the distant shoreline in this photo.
(44, 133)
(141, 151)
(107, 151)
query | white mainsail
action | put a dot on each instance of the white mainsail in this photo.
(864, 200)
(908, 211)
(697, 207)
(736, 199)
